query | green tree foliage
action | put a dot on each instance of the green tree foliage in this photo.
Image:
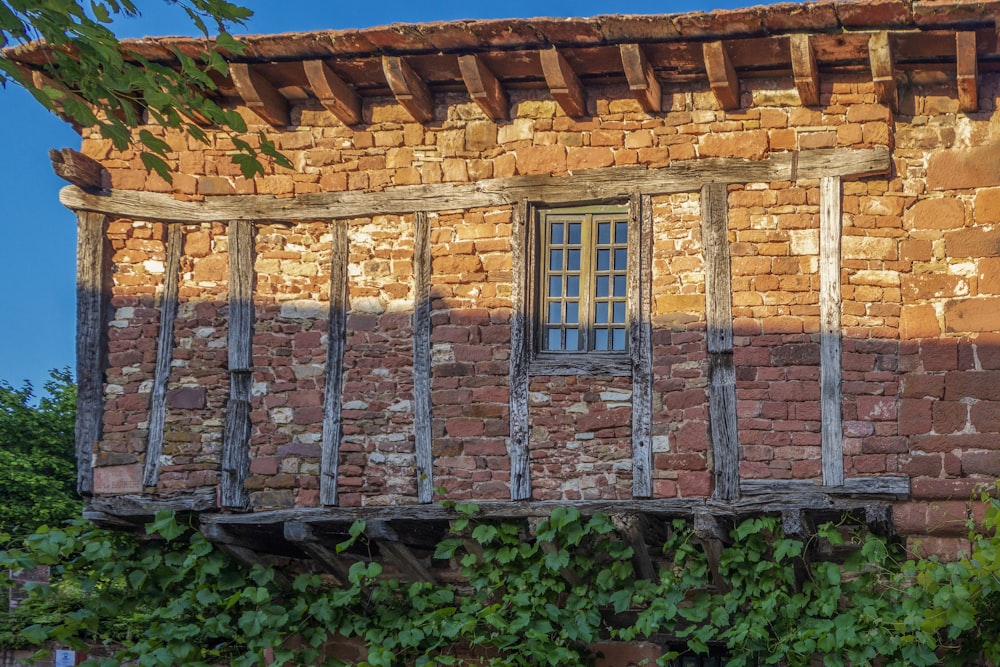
(96, 81)
(37, 461)
(530, 598)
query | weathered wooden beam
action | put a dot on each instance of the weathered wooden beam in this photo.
(240, 550)
(483, 86)
(564, 86)
(632, 528)
(640, 230)
(334, 390)
(236, 438)
(967, 66)
(719, 335)
(303, 536)
(586, 185)
(518, 444)
(804, 69)
(197, 500)
(260, 95)
(92, 269)
(422, 411)
(164, 355)
(830, 309)
(397, 553)
(408, 88)
(80, 170)
(336, 95)
(713, 540)
(721, 75)
(641, 77)
(883, 69)
(852, 487)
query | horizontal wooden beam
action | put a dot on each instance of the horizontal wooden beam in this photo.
(260, 95)
(147, 505)
(804, 69)
(609, 183)
(408, 88)
(641, 78)
(563, 83)
(721, 75)
(335, 94)
(483, 86)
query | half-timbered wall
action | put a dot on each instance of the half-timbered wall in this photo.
(806, 322)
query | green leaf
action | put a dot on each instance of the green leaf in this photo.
(157, 164)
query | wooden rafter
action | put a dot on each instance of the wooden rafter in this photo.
(483, 86)
(721, 75)
(260, 95)
(409, 89)
(335, 94)
(804, 69)
(80, 170)
(883, 69)
(563, 83)
(968, 71)
(306, 538)
(632, 528)
(640, 76)
(713, 538)
(397, 552)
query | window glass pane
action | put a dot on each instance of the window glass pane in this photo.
(572, 285)
(602, 286)
(604, 232)
(572, 339)
(621, 259)
(601, 339)
(574, 232)
(601, 316)
(573, 261)
(555, 313)
(621, 232)
(555, 260)
(573, 312)
(620, 285)
(554, 339)
(603, 260)
(556, 234)
(619, 340)
(619, 313)
(555, 285)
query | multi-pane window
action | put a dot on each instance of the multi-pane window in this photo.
(584, 280)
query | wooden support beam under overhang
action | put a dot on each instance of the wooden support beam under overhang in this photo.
(260, 95)
(883, 69)
(408, 88)
(721, 75)
(397, 553)
(563, 83)
(967, 72)
(641, 78)
(483, 86)
(804, 69)
(79, 169)
(306, 538)
(632, 528)
(335, 94)
(713, 537)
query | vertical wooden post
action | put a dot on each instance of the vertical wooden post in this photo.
(422, 410)
(520, 470)
(830, 371)
(91, 323)
(164, 355)
(640, 346)
(719, 316)
(334, 391)
(236, 441)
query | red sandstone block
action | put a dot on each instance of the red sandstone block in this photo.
(949, 443)
(914, 416)
(117, 480)
(679, 462)
(923, 466)
(984, 385)
(464, 427)
(885, 445)
(981, 463)
(972, 314)
(695, 484)
(876, 408)
(958, 489)
(985, 416)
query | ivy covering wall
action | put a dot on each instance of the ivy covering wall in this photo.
(535, 597)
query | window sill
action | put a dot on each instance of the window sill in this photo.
(589, 363)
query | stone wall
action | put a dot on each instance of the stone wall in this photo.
(921, 303)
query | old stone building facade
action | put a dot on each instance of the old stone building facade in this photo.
(728, 262)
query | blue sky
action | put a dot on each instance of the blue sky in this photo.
(38, 235)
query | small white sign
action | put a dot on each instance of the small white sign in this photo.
(65, 658)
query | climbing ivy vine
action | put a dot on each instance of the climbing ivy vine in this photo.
(533, 596)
